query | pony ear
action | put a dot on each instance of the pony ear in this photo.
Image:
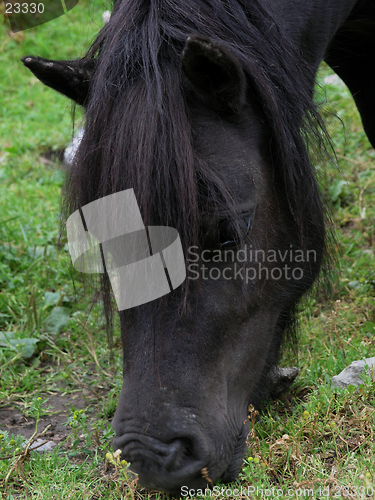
(214, 73)
(71, 78)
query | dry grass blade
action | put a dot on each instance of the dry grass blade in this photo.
(24, 455)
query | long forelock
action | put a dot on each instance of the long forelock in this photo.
(138, 133)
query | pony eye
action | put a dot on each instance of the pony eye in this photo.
(233, 231)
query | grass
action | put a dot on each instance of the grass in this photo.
(51, 341)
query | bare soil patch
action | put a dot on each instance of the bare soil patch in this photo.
(14, 419)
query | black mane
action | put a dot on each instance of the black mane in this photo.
(138, 132)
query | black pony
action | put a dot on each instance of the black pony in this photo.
(205, 108)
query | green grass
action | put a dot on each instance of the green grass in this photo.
(314, 437)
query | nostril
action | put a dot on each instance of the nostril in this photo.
(181, 452)
(176, 454)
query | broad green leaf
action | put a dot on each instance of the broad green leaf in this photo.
(57, 320)
(5, 337)
(52, 298)
(27, 346)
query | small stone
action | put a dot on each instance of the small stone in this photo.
(71, 150)
(46, 447)
(106, 16)
(351, 374)
(333, 80)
